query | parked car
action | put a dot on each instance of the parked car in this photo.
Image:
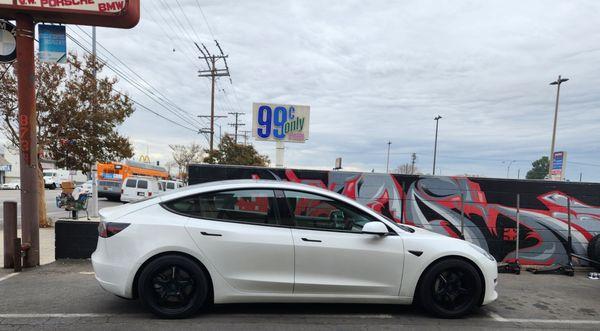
(53, 178)
(10, 186)
(136, 188)
(170, 185)
(274, 241)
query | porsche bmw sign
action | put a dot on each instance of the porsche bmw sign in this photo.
(8, 45)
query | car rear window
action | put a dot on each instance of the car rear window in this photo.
(130, 183)
(142, 184)
(171, 186)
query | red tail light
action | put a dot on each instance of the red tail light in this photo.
(122, 191)
(109, 229)
(149, 194)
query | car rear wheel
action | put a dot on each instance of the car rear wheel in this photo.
(451, 288)
(173, 286)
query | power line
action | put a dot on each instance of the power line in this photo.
(236, 124)
(133, 83)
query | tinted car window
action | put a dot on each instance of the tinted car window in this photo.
(312, 211)
(142, 184)
(248, 206)
(171, 186)
(130, 183)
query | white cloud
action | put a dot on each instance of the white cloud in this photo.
(381, 70)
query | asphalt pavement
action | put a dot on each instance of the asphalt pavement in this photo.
(65, 295)
(50, 199)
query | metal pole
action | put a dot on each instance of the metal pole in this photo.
(558, 82)
(10, 232)
(28, 138)
(518, 227)
(212, 104)
(437, 121)
(462, 215)
(387, 166)
(94, 166)
(569, 239)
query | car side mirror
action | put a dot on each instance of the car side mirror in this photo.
(377, 228)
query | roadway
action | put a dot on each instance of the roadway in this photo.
(50, 200)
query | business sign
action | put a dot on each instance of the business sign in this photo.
(557, 171)
(53, 43)
(285, 123)
(8, 44)
(6, 167)
(109, 13)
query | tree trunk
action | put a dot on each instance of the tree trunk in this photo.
(44, 221)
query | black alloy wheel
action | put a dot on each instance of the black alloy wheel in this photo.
(451, 288)
(173, 286)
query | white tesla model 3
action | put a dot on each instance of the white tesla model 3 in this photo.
(272, 241)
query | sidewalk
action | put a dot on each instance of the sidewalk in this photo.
(46, 247)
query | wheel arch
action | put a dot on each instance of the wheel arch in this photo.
(134, 290)
(448, 257)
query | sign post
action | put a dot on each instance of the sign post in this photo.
(110, 13)
(280, 123)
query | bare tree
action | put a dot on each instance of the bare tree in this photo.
(185, 155)
(407, 169)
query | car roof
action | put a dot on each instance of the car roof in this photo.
(245, 183)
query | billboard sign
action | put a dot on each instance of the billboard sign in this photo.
(53, 43)
(277, 122)
(557, 171)
(109, 13)
(8, 43)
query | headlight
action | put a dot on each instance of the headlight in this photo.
(483, 252)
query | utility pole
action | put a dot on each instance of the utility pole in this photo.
(94, 164)
(213, 72)
(437, 121)
(413, 158)
(245, 133)
(236, 124)
(211, 130)
(387, 167)
(558, 82)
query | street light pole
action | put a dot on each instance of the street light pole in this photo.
(387, 167)
(558, 82)
(508, 168)
(437, 121)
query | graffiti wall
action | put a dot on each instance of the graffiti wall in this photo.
(480, 210)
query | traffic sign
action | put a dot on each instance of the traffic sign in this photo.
(8, 44)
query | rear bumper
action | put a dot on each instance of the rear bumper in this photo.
(112, 277)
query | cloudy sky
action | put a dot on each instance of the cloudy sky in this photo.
(373, 72)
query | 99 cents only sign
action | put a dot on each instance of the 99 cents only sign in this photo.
(284, 123)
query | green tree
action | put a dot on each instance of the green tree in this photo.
(228, 152)
(539, 169)
(77, 116)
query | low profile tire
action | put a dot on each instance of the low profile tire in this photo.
(451, 288)
(593, 250)
(173, 286)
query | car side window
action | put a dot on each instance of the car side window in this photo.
(142, 184)
(311, 211)
(171, 186)
(130, 183)
(247, 206)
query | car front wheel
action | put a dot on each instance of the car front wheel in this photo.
(173, 286)
(451, 288)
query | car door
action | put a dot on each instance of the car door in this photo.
(239, 232)
(333, 256)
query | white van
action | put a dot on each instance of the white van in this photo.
(170, 185)
(136, 188)
(53, 178)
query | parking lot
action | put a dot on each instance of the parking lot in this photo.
(65, 295)
(50, 199)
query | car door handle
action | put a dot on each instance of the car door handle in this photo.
(211, 234)
(311, 240)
